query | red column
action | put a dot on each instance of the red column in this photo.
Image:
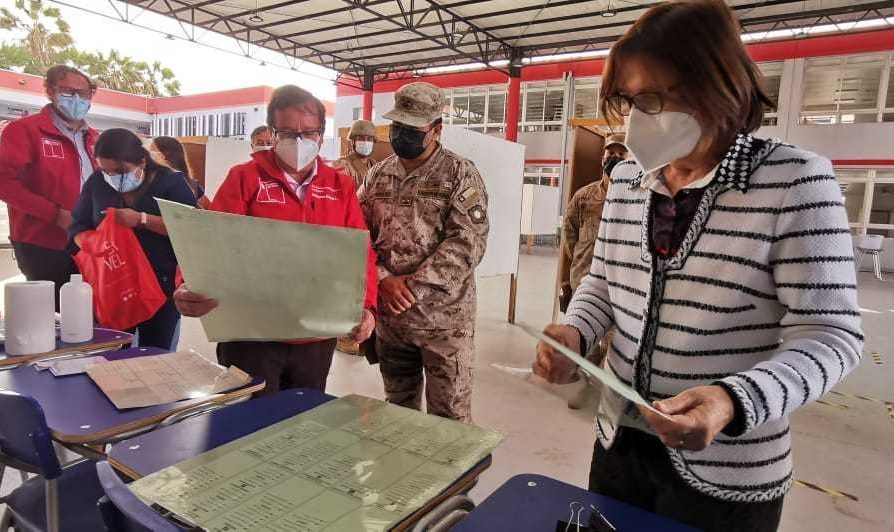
(368, 104)
(512, 100)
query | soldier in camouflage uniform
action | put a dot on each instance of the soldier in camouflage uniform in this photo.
(357, 163)
(426, 208)
(581, 222)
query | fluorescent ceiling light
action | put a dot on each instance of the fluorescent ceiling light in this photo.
(567, 57)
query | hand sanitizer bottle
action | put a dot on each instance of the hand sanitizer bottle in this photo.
(76, 307)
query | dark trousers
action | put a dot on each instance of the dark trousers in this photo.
(44, 264)
(158, 331)
(282, 365)
(638, 471)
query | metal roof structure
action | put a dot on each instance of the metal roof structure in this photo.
(372, 39)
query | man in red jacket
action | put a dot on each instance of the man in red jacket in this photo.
(289, 182)
(44, 160)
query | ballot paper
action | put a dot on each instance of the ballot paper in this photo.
(350, 464)
(69, 365)
(273, 280)
(594, 371)
(161, 379)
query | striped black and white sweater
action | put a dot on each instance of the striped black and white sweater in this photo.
(760, 296)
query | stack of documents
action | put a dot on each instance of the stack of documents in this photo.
(350, 464)
(161, 379)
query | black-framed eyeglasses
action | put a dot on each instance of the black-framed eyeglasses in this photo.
(650, 103)
(86, 94)
(288, 134)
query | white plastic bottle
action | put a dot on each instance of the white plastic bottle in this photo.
(76, 307)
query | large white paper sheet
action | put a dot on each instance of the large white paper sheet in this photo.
(594, 371)
(273, 280)
(501, 164)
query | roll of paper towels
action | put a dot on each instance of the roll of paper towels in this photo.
(30, 322)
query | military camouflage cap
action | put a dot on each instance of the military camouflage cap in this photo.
(362, 128)
(615, 139)
(417, 104)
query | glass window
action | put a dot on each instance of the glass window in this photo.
(841, 89)
(240, 123)
(852, 194)
(555, 100)
(860, 78)
(460, 108)
(496, 105)
(821, 84)
(890, 96)
(882, 211)
(534, 101)
(477, 102)
(586, 96)
(772, 81)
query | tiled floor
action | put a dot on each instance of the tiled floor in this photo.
(846, 446)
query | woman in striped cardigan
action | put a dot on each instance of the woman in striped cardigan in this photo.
(724, 262)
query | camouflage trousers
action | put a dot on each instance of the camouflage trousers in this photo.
(444, 357)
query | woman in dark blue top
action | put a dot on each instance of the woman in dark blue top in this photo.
(129, 180)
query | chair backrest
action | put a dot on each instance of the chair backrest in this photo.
(25, 440)
(870, 242)
(124, 511)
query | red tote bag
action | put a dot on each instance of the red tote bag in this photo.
(125, 289)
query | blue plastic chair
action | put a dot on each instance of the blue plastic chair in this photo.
(57, 499)
(122, 511)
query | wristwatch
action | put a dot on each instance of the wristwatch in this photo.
(144, 218)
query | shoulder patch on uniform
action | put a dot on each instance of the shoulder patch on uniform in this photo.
(477, 214)
(469, 197)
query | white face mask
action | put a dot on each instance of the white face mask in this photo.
(364, 147)
(297, 153)
(260, 147)
(655, 140)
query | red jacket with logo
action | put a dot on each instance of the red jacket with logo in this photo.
(40, 173)
(259, 188)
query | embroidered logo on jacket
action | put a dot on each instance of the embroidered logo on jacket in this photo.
(52, 148)
(270, 192)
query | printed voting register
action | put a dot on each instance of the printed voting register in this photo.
(162, 379)
(350, 464)
(273, 280)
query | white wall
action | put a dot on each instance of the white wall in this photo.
(846, 141)
(541, 144)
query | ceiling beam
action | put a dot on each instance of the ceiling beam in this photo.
(450, 28)
(371, 3)
(549, 33)
(191, 20)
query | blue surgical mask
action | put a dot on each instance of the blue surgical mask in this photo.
(123, 183)
(73, 106)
